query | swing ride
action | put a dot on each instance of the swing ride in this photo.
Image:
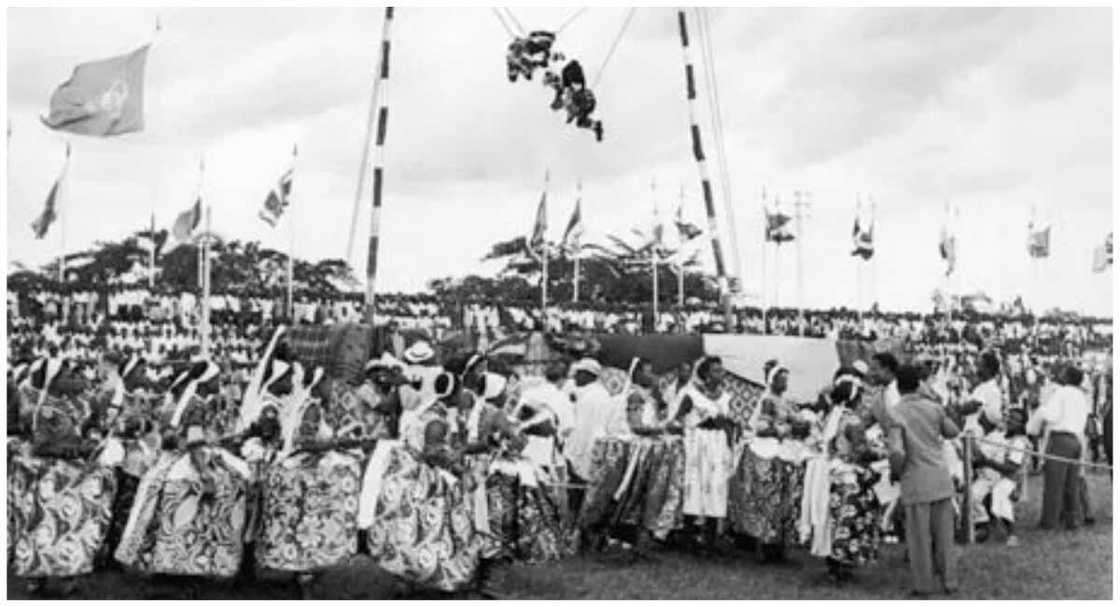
(531, 52)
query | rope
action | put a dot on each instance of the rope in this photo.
(513, 18)
(614, 45)
(1056, 458)
(715, 109)
(502, 20)
(569, 20)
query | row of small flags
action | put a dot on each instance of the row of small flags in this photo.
(105, 98)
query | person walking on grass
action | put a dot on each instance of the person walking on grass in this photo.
(916, 455)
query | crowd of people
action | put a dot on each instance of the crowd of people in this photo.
(440, 468)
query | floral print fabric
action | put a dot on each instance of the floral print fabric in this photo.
(854, 511)
(765, 501)
(422, 529)
(62, 511)
(309, 512)
(182, 525)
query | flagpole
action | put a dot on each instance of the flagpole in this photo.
(576, 252)
(680, 264)
(859, 268)
(763, 283)
(155, 197)
(798, 205)
(62, 221)
(544, 264)
(378, 173)
(874, 258)
(206, 287)
(653, 251)
(292, 237)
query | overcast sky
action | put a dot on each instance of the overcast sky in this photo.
(995, 111)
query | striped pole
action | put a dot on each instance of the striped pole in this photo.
(698, 153)
(371, 120)
(378, 167)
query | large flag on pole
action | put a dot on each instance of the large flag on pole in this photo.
(43, 222)
(101, 98)
(1102, 255)
(863, 240)
(540, 225)
(574, 232)
(187, 221)
(1038, 242)
(279, 197)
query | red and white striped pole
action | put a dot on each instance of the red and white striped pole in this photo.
(379, 166)
(701, 163)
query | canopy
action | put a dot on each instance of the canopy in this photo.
(811, 362)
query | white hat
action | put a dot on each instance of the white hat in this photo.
(387, 360)
(493, 386)
(862, 367)
(419, 352)
(589, 365)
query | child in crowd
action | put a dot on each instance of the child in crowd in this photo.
(999, 466)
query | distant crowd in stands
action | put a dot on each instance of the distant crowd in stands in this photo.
(166, 326)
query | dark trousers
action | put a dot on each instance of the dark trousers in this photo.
(929, 544)
(1061, 492)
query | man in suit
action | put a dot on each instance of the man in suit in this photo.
(917, 456)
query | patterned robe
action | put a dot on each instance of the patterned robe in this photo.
(309, 514)
(59, 508)
(189, 514)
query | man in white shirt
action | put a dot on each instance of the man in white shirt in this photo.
(1062, 418)
(592, 414)
(988, 394)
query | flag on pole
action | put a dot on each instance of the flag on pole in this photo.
(43, 222)
(778, 228)
(507, 248)
(101, 98)
(863, 240)
(1038, 242)
(948, 249)
(151, 240)
(574, 232)
(187, 221)
(537, 242)
(685, 230)
(278, 197)
(1102, 255)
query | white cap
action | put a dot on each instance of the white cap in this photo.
(589, 365)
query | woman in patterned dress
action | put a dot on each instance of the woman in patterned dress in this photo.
(64, 505)
(652, 495)
(310, 490)
(766, 486)
(189, 515)
(421, 528)
(854, 509)
(707, 445)
(520, 512)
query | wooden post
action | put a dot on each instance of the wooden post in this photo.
(966, 508)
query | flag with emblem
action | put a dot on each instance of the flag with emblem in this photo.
(1038, 242)
(863, 240)
(574, 232)
(778, 228)
(187, 222)
(948, 250)
(102, 98)
(43, 222)
(540, 225)
(685, 230)
(279, 197)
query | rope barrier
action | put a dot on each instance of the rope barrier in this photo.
(614, 45)
(1056, 458)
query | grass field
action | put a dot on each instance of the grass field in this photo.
(1046, 565)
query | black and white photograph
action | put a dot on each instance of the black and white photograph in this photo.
(559, 303)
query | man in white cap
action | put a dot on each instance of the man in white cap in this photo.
(594, 410)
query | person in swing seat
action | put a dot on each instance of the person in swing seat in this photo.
(573, 95)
